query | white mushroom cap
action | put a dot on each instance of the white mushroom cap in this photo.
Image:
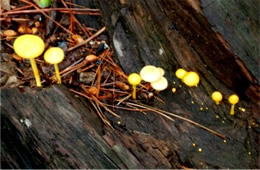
(150, 73)
(161, 71)
(160, 84)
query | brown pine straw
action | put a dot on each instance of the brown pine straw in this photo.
(174, 115)
(85, 11)
(36, 7)
(96, 100)
(89, 39)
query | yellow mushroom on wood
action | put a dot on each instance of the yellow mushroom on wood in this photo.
(29, 47)
(217, 97)
(191, 79)
(134, 79)
(233, 99)
(55, 55)
(180, 73)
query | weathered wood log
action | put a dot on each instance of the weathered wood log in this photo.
(66, 133)
(174, 34)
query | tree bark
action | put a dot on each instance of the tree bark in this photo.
(66, 133)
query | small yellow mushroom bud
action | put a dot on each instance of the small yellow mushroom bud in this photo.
(191, 79)
(233, 99)
(180, 73)
(217, 97)
(134, 79)
(54, 55)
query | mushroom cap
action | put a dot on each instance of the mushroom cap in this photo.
(161, 71)
(180, 73)
(160, 84)
(216, 96)
(233, 99)
(191, 79)
(134, 79)
(150, 73)
(54, 55)
(29, 46)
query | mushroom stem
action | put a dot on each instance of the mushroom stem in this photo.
(217, 103)
(232, 110)
(134, 92)
(57, 73)
(36, 72)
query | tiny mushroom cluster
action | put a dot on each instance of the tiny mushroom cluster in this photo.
(154, 75)
(233, 99)
(190, 78)
(30, 46)
(151, 74)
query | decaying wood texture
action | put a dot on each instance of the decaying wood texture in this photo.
(66, 133)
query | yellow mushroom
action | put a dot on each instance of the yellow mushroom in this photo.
(233, 99)
(29, 47)
(150, 73)
(160, 84)
(134, 79)
(217, 97)
(180, 73)
(54, 55)
(191, 79)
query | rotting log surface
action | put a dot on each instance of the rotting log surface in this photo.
(66, 133)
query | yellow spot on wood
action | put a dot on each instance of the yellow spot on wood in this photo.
(200, 149)
(217, 116)
(249, 153)
(201, 108)
(192, 102)
(174, 82)
(242, 109)
(225, 141)
(118, 122)
(193, 144)
(173, 90)
(180, 85)
(249, 127)
(223, 121)
(207, 108)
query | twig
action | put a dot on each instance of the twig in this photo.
(16, 19)
(75, 19)
(96, 100)
(41, 10)
(101, 115)
(62, 10)
(80, 6)
(88, 67)
(107, 109)
(177, 116)
(126, 108)
(87, 40)
(124, 99)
